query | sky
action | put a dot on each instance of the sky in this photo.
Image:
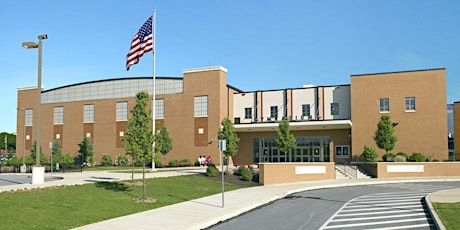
(264, 44)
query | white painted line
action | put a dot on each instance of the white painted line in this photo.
(404, 227)
(389, 204)
(379, 217)
(376, 201)
(393, 198)
(382, 212)
(374, 223)
(383, 208)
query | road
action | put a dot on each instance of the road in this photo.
(389, 206)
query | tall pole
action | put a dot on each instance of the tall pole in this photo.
(39, 102)
(154, 21)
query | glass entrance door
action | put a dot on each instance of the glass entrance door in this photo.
(316, 154)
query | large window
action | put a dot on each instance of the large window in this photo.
(29, 117)
(342, 151)
(384, 105)
(122, 111)
(274, 112)
(306, 110)
(59, 115)
(159, 108)
(335, 108)
(88, 115)
(410, 104)
(247, 113)
(201, 106)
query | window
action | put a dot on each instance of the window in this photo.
(247, 113)
(59, 115)
(29, 117)
(305, 110)
(410, 103)
(384, 105)
(201, 106)
(122, 111)
(342, 151)
(274, 112)
(159, 108)
(335, 108)
(88, 115)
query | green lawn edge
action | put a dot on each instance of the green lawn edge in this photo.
(67, 207)
(449, 214)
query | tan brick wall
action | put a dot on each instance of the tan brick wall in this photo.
(277, 173)
(423, 131)
(457, 130)
(431, 169)
(179, 119)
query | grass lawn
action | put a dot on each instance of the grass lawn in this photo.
(449, 214)
(73, 206)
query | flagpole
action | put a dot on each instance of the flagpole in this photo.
(154, 84)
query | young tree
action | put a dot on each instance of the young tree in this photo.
(139, 139)
(228, 134)
(285, 140)
(33, 155)
(164, 143)
(384, 136)
(86, 151)
(56, 150)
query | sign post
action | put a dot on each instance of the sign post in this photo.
(51, 155)
(222, 148)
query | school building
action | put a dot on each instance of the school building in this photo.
(330, 123)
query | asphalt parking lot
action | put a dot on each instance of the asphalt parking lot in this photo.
(12, 179)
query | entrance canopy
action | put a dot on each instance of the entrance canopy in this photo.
(294, 126)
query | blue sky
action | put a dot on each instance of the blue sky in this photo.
(264, 44)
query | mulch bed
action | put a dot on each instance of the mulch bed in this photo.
(232, 179)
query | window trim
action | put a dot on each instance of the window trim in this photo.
(406, 105)
(388, 105)
(342, 148)
(246, 113)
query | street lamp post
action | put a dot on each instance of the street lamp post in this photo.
(40, 170)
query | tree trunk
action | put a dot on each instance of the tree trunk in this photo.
(132, 170)
(143, 178)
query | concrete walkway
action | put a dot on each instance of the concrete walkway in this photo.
(204, 212)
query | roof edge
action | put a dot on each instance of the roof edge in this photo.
(405, 71)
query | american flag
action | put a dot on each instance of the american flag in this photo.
(142, 43)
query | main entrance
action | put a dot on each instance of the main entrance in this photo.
(309, 149)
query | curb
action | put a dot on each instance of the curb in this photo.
(437, 221)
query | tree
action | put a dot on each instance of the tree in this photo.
(384, 136)
(285, 140)
(10, 142)
(56, 150)
(228, 134)
(33, 155)
(139, 139)
(86, 151)
(164, 143)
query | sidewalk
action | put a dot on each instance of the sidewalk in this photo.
(206, 211)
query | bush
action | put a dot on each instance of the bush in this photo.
(417, 157)
(122, 160)
(197, 163)
(246, 173)
(399, 158)
(106, 160)
(173, 163)
(369, 154)
(450, 159)
(212, 171)
(388, 157)
(158, 164)
(403, 154)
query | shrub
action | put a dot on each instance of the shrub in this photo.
(158, 164)
(184, 161)
(403, 154)
(417, 157)
(450, 159)
(106, 160)
(197, 163)
(399, 158)
(212, 171)
(246, 173)
(122, 160)
(388, 157)
(173, 163)
(369, 154)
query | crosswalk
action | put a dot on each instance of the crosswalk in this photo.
(402, 209)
